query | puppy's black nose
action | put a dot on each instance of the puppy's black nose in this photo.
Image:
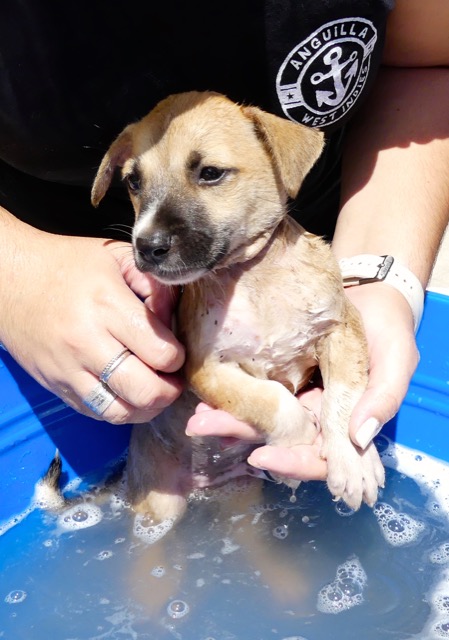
(154, 249)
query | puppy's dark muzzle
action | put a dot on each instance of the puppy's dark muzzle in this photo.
(153, 250)
(178, 256)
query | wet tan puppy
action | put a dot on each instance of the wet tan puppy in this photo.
(262, 304)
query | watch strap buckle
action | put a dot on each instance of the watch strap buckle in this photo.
(378, 272)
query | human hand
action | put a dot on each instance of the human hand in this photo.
(393, 357)
(71, 305)
(300, 462)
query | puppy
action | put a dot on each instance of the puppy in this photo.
(262, 304)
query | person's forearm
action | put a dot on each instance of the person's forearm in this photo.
(17, 245)
(395, 183)
(16, 239)
(11, 228)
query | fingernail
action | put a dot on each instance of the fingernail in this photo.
(199, 423)
(189, 431)
(261, 474)
(259, 461)
(367, 432)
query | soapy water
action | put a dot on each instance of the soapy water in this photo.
(346, 591)
(79, 517)
(397, 528)
(310, 570)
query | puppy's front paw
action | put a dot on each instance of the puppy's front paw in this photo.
(297, 426)
(353, 475)
(293, 424)
(373, 473)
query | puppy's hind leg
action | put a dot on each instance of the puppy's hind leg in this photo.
(155, 492)
(353, 475)
(277, 570)
(154, 477)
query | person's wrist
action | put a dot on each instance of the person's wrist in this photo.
(369, 268)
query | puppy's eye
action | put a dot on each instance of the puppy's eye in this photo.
(133, 182)
(211, 174)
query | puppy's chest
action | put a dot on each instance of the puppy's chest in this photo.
(267, 330)
(242, 329)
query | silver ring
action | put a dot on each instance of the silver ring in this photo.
(113, 364)
(100, 398)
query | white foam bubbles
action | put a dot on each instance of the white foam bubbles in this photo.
(346, 591)
(16, 597)
(158, 572)
(47, 497)
(229, 546)
(118, 498)
(80, 516)
(441, 629)
(149, 531)
(432, 476)
(430, 473)
(397, 528)
(15, 520)
(438, 623)
(343, 510)
(178, 609)
(441, 603)
(281, 531)
(440, 555)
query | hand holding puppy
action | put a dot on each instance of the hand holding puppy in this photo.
(64, 323)
(393, 358)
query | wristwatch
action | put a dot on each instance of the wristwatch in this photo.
(366, 268)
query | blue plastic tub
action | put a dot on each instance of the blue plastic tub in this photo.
(33, 422)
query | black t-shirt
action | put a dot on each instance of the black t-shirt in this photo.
(74, 73)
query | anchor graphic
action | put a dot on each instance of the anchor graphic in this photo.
(332, 59)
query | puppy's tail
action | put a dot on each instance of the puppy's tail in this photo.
(48, 494)
(49, 497)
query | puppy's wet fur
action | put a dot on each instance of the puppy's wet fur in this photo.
(262, 305)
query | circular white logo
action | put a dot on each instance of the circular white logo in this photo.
(323, 76)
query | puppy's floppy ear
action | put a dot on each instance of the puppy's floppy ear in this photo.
(116, 156)
(293, 147)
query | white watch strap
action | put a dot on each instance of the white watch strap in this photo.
(367, 268)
